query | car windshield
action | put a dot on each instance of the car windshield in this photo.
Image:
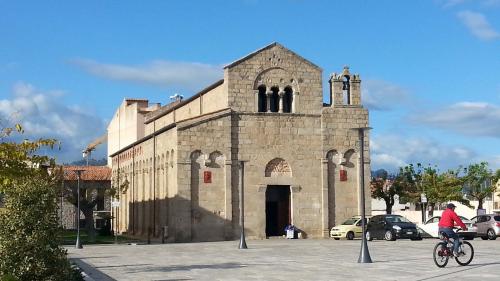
(350, 221)
(463, 218)
(396, 219)
(497, 218)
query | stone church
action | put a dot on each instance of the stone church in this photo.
(181, 161)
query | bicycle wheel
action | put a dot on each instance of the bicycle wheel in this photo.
(465, 253)
(440, 255)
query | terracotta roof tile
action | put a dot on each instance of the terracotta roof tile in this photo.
(90, 173)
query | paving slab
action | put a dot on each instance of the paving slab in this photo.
(282, 259)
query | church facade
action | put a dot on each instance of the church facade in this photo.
(182, 162)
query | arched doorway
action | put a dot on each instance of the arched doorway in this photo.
(277, 209)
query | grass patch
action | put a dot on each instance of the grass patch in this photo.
(69, 238)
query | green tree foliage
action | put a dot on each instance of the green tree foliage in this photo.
(29, 243)
(479, 182)
(438, 187)
(442, 187)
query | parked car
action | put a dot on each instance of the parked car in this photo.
(349, 229)
(488, 226)
(430, 228)
(391, 227)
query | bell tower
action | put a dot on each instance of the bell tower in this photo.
(345, 88)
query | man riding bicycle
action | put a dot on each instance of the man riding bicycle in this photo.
(447, 222)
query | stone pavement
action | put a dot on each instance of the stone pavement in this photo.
(281, 259)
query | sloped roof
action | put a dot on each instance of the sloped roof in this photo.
(89, 173)
(164, 110)
(268, 47)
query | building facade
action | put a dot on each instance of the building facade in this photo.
(95, 181)
(182, 161)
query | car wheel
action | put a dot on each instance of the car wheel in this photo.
(350, 235)
(389, 236)
(491, 234)
(369, 236)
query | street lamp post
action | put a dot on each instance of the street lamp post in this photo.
(78, 242)
(243, 243)
(364, 254)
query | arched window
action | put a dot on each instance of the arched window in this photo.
(275, 99)
(346, 90)
(262, 103)
(287, 100)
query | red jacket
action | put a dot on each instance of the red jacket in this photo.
(448, 219)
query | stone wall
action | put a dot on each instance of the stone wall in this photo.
(341, 152)
(274, 66)
(204, 209)
(296, 139)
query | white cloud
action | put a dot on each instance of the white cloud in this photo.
(392, 151)
(451, 3)
(478, 25)
(466, 118)
(381, 95)
(454, 3)
(42, 115)
(192, 76)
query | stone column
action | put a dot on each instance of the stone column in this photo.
(325, 198)
(228, 204)
(295, 101)
(268, 97)
(281, 93)
(256, 102)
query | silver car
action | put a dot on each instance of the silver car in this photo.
(488, 226)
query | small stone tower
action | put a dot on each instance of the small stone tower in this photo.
(345, 88)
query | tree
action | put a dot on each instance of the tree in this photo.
(382, 187)
(437, 187)
(442, 187)
(479, 182)
(119, 186)
(29, 232)
(89, 197)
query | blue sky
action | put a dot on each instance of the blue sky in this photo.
(430, 69)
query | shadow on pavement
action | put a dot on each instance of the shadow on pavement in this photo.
(465, 268)
(185, 267)
(91, 271)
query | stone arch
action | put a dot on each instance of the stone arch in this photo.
(278, 167)
(215, 160)
(348, 159)
(276, 76)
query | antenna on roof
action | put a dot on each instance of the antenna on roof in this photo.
(177, 97)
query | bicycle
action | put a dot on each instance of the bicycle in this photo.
(444, 250)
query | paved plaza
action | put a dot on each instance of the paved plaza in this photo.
(281, 259)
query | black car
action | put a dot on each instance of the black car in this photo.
(391, 227)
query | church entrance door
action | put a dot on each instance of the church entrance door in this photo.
(277, 209)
